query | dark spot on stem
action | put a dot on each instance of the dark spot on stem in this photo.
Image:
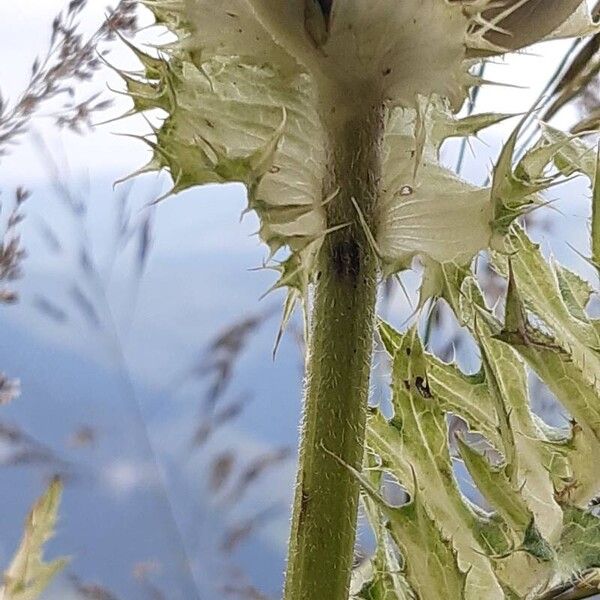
(303, 508)
(325, 6)
(345, 258)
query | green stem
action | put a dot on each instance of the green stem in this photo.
(325, 509)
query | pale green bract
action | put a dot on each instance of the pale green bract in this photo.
(249, 88)
(249, 85)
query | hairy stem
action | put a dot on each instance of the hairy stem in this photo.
(339, 363)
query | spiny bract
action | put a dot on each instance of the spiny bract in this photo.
(252, 88)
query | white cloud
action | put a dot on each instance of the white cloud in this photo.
(124, 477)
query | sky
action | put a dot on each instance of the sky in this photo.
(128, 378)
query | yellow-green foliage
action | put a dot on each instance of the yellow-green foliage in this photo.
(539, 531)
(29, 574)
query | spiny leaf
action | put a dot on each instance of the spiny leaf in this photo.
(514, 190)
(567, 343)
(536, 545)
(431, 568)
(579, 546)
(539, 289)
(415, 440)
(429, 561)
(565, 378)
(465, 396)
(386, 560)
(497, 488)
(473, 124)
(381, 577)
(28, 574)
(573, 155)
(523, 440)
(576, 292)
(596, 215)
(443, 280)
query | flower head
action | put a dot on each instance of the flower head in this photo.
(250, 87)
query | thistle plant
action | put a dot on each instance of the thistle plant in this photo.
(332, 114)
